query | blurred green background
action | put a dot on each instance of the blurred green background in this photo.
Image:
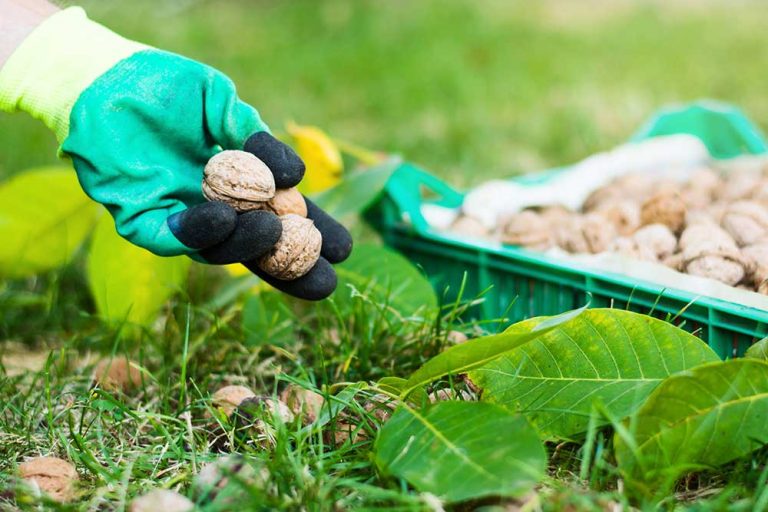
(468, 88)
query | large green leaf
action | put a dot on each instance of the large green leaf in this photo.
(759, 350)
(386, 277)
(357, 191)
(609, 356)
(461, 450)
(703, 417)
(128, 282)
(44, 217)
(480, 351)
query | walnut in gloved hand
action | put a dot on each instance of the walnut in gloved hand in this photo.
(140, 125)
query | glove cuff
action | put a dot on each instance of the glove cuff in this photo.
(56, 63)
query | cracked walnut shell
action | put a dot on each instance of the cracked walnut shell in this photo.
(239, 179)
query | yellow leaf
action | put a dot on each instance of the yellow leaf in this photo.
(321, 156)
(236, 270)
(44, 218)
(128, 282)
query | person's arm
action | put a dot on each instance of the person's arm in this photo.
(139, 125)
(18, 18)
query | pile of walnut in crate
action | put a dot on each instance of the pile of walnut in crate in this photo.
(714, 224)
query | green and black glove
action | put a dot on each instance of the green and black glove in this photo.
(139, 125)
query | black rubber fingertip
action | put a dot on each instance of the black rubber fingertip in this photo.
(337, 241)
(256, 232)
(281, 159)
(318, 284)
(203, 225)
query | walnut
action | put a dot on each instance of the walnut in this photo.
(303, 402)
(746, 221)
(55, 477)
(229, 398)
(555, 215)
(381, 407)
(760, 194)
(590, 233)
(456, 337)
(527, 229)
(296, 252)
(239, 179)
(341, 432)
(610, 193)
(624, 215)
(161, 500)
(701, 188)
(255, 415)
(118, 374)
(657, 238)
(469, 227)
(757, 256)
(628, 246)
(739, 184)
(287, 200)
(214, 479)
(709, 251)
(665, 207)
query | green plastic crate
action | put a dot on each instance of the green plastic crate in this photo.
(524, 284)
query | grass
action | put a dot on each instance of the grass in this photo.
(469, 89)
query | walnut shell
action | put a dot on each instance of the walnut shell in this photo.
(229, 398)
(239, 179)
(119, 374)
(757, 256)
(468, 226)
(590, 233)
(716, 266)
(527, 229)
(657, 238)
(303, 402)
(701, 188)
(296, 252)
(624, 215)
(709, 251)
(53, 476)
(287, 200)
(747, 222)
(456, 337)
(665, 207)
(628, 246)
(380, 407)
(161, 500)
(739, 185)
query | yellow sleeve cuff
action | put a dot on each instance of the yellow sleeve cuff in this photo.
(56, 63)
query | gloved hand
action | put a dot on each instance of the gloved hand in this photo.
(139, 125)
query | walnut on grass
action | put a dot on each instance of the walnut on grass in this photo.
(53, 476)
(117, 374)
